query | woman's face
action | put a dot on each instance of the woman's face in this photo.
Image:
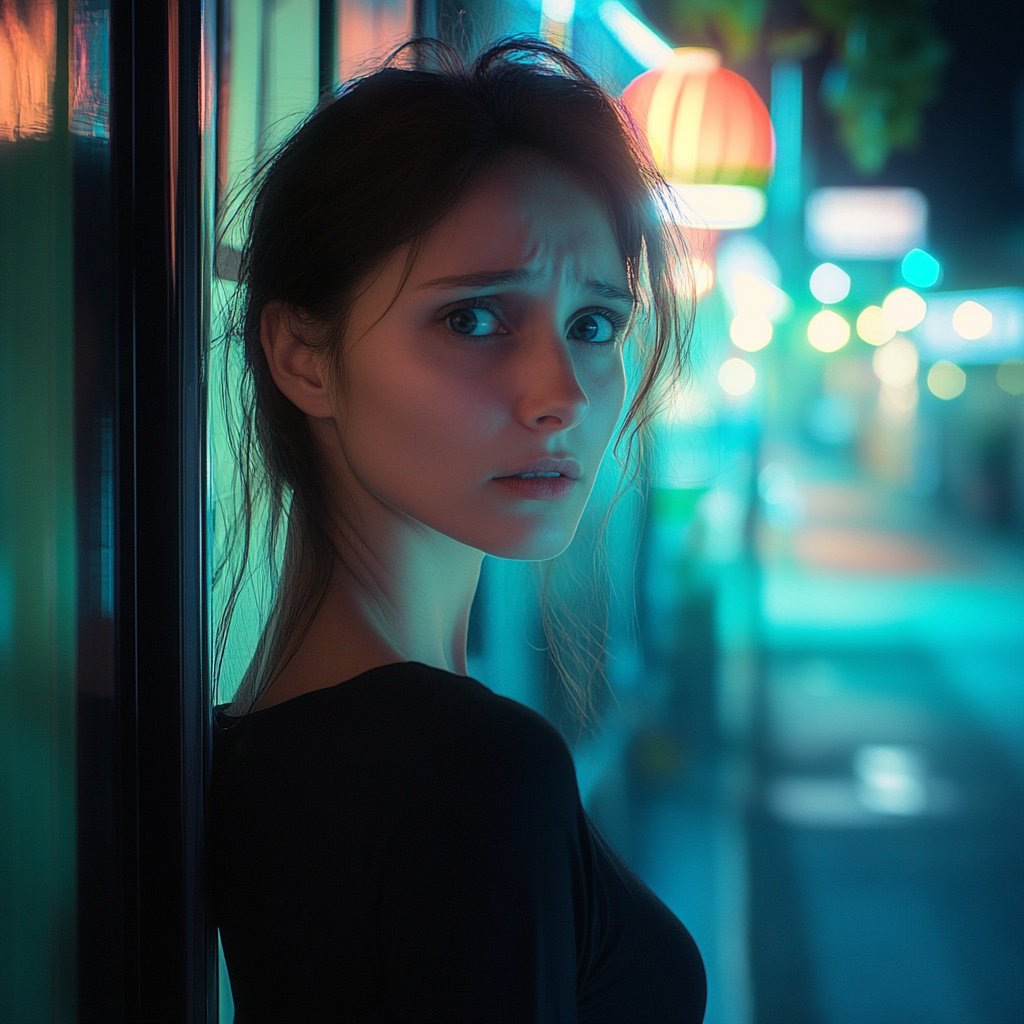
(480, 401)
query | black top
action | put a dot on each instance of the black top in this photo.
(408, 846)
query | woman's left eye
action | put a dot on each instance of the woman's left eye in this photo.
(596, 328)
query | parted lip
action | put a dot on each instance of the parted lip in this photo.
(565, 467)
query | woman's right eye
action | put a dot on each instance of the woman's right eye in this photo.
(473, 321)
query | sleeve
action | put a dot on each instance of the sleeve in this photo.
(481, 913)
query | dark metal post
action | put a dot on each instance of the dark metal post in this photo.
(141, 786)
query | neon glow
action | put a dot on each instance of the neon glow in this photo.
(830, 283)
(946, 380)
(972, 320)
(719, 207)
(736, 377)
(865, 223)
(828, 331)
(559, 10)
(904, 309)
(873, 328)
(705, 125)
(896, 363)
(750, 331)
(920, 269)
(635, 36)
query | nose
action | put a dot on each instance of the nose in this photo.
(551, 398)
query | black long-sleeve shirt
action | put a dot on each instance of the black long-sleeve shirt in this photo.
(408, 846)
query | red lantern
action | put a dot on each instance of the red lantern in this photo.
(705, 125)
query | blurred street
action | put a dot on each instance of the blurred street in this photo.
(860, 817)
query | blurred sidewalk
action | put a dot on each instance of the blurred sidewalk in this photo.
(886, 834)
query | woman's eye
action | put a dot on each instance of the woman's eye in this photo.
(593, 327)
(474, 322)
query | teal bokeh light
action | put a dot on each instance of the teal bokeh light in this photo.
(920, 268)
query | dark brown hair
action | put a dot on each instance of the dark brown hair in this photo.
(373, 169)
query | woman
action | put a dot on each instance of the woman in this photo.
(441, 270)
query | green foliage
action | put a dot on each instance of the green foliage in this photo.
(887, 67)
(887, 62)
(733, 25)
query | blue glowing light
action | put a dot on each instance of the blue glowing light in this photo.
(920, 268)
(830, 283)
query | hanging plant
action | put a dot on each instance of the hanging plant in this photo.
(886, 66)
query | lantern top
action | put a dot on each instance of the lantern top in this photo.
(693, 60)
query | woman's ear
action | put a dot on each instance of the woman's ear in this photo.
(296, 368)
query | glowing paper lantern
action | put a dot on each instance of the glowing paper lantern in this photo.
(828, 331)
(705, 125)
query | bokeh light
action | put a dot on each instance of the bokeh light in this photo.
(736, 376)
(920, 268)
(1010, 376)
(830, 283)
(898, 404)
(873, 327)
(750, 331)
(972, 320)
(895, 364)
(828, 331)
(703, 277)
(904, 309)
(946, 380)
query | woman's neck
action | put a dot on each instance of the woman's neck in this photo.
(400, 592)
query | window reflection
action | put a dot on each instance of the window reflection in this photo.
(27, 68)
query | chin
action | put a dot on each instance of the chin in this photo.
(529, 546)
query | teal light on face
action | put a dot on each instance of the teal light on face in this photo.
(920, 268)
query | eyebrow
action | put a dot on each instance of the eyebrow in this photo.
(521, 276)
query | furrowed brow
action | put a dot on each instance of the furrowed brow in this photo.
(522, 276)
(482, 279)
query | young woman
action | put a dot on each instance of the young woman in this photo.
(443, 271)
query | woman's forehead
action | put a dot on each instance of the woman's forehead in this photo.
(531, 224)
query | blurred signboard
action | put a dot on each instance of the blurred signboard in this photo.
(938, 336)
(865, 223)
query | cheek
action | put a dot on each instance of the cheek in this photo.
(410, 431)
(605, 387)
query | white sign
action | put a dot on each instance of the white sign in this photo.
(937, 337)
(866, 223)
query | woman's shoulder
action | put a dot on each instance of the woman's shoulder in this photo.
(404, 721)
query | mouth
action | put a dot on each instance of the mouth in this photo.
(543, 479)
